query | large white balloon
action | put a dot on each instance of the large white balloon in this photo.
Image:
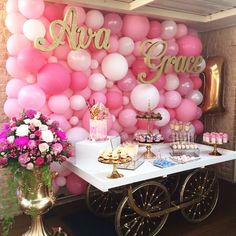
(114, 66)
(165, 117)
(143, 96)
(172, 82)
(34, 29)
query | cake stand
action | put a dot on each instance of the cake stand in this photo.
(148, 154)
(215, 151)
(115, 174)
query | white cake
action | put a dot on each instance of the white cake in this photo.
(88, 149)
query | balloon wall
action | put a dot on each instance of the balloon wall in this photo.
(60, 82)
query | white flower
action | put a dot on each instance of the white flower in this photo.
(43, 127)
(30, 166)
(38, 114)
(10, 139)
(22, 130)
(43, 147)
(36, 122)
(47, 136)
(27, 121)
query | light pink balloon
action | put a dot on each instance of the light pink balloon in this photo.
(97, 97)
(77, 102)
(185, 86)
(54, 11)
(61, 52)
(97, 82)
(114, 44)
(172, 48)
(13, 87)
(86, 93)
(190, 107)
(169, 29)
(137, 51)
(113, 133)
(199, 127)
(45, 110)
(80, 113)
(58, 103)
(14, 69)
(114, 100)
(117, 111)
(196, 96)
(74, 120)
(54, 78)
(55, 187)
(166, 133)
(12, 108)
(130, 29)
(30, 79)
(128, 83)
(126, 46)
(125, 100)
(63, 123)
(16, 42)
(31, 97)
(60, 181)
(182, 30)
(199, 113)
(79, 60)
(31, 59)
(117, 127)
(94, 19)
(68, 113)
(172, 99)
(160, 83)
(127, 118)
(76, 185)
(113, 22)
(94, 64)
(172, 81)
(197, 82)
(76, 134)
(78, 81)
(63, 171)
(12, 6)
(165, 117)
(130, 59)
(172, 113)
(99, 55)
(190, 46)
(81, 14)
(31, 8)
(155, 29)
(14, 22)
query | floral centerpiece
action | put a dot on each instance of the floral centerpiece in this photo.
(98, 122)
(30, 143)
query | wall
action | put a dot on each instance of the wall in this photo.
(223, 43)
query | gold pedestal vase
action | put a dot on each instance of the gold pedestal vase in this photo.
(35, 199)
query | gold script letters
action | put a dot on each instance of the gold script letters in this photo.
(78, 37)
(154, 56)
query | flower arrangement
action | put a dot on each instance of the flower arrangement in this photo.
(29, 142)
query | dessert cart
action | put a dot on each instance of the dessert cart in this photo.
(142, 200)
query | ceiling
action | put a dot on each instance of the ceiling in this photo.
(203, 15)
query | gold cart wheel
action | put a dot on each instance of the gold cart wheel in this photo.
(103, 203)
(202, 185)
(149, 197)
(171, 183)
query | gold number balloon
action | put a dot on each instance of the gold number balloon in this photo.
(213, 86)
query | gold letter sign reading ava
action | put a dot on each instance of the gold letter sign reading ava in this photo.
(78, 37)
(154, 56)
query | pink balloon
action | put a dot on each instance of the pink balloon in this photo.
(76, 134)
(127, 118)
(94, 19)
(75, 184)
(169, 29)
(12, 6)
(117, 127)
(13, 87)
(58, 103)
(31, 8)
(31, 97)
(54, 12)
(74, 120)
(97, 98)
(198, 125)
(14, 22)
(86, 93)
(172, 99)
(155, 29)
(54, 78)
(60, 181)
(172, 82)
(55, 187)
(126, 46)
(190, 46)
(14, 69)
(166, 133)
(16, 42)
(114, 100)
(130, 130)
(182, 30)
(197, 82)
(130, 59)
(172, 113)
(113, 22)
(199, 113)
(77, 102)
(139, 66)
(117, 111)
(99, 55)
(63, 123)
(31, 59)
(137, 51)
(190, 107)
(81, 14)
(97, 82)
(30, 79)
(165, 117)
(130, 29)
(12, 108)
(63, 171)
(143, 124)
(172, 48)
(80, 113)
(128, 83)
(162, 100)
(62, 51)
(185, 86)
(160, 83)
(78, 81)
(45, 110)
(113, 133)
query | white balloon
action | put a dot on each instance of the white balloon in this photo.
(77, 102)
(94, 19)
(196, 96)
(34, 29)
(172, 82)
(165, 117)
(126, 46)
(114, 66)
(145, 96)
(97, 82)
(76, 134)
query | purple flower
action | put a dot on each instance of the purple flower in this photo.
(21, 141)
(23, 159)
(30, 113)
(61, 135)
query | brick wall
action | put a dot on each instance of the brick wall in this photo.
(4, 77)
(223, 43)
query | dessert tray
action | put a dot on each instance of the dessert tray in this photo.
(182, 159)
(163, 163)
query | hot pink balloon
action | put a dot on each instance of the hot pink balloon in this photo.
(162, 100)
(130, 59)
(182, 30)
(128, 83)
(139, 66)
(78, 81)
(13, 87)
(62, 51)
(190, 107)
(172, 99)
(31, 97)
(130, 29)
(31, 59)
(31, 8)
(114, 100)
(12, 107)
(113, 22)
(54, 78)
(114, 44)
(127, 118)
(97, 97)
(160, 83)
(199, 127)
(155, 29)
(197, 82)
(75, 184)
(54, 12)
(185, 86)
(14, 22)
(172, 113)
(86, 93)
(63, 123)
(58, 103)
(190, 46)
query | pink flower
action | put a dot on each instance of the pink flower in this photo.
(23, 159)
(57, 148)
(39, 161)
(3, 161)
(31, 144)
